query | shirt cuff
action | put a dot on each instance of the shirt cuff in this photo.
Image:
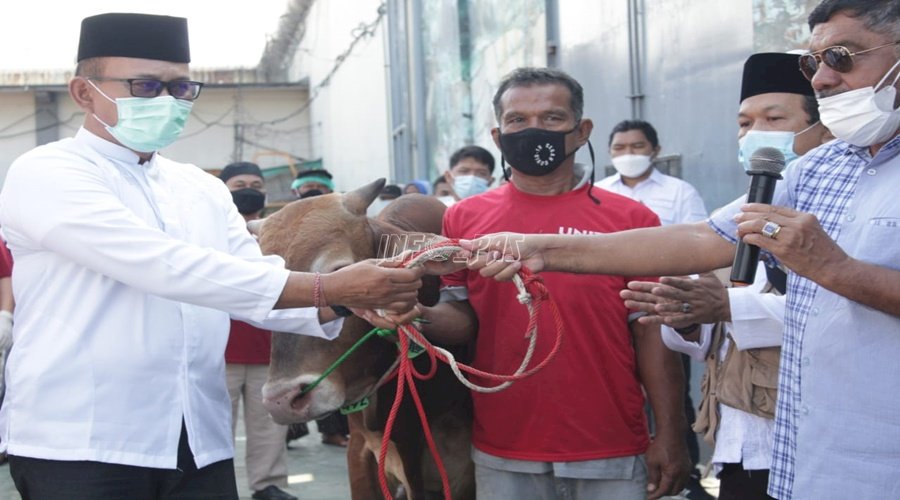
(757, 319)
(675, 342)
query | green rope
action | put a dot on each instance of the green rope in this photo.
(414, 351)
(381, 332)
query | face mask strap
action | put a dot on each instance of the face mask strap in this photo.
(886, 75)
(101, 92)
(590, 190)
(94, 115)
(504, 169)
(807, 129)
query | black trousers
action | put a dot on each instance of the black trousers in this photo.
(735, 483)
(38, 479)
(336, 423)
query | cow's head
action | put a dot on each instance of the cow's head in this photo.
(322, 234)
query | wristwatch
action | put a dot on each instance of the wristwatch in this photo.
(342, 311)
(688, 329)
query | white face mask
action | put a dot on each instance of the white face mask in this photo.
(862, 117)
(631, 165)
(469, 185)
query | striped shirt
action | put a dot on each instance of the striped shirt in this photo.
(837, 433)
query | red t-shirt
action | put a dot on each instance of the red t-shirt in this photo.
(6, 261)
(248, 345)
(587, 402)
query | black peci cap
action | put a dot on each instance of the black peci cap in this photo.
(240, 168)
(774, 72)
(142, 36)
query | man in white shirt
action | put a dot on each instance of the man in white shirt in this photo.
(633, 146)
(128, 266)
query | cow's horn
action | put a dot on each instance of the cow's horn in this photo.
(358, 200)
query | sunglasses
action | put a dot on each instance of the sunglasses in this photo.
(146, 87)
(838, 58)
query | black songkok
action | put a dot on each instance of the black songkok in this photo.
(774, 72)
(239, 168)
(142, 36)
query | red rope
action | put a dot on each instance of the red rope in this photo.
(407, 374)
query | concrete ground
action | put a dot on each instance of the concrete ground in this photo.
(319, 472)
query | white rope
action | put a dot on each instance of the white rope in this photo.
(444, 253)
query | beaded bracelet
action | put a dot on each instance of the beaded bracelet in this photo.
(318, 292)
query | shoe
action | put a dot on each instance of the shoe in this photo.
(335, 440)
(273, 492)
(695, 490)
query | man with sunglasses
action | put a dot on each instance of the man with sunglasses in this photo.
(835, 223)
(743, 326)
(128, 266)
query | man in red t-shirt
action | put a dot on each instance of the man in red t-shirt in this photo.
(6, 300)
(6, 318)
(577, 426)
(247, 362)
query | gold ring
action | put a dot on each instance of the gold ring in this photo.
(771, 229)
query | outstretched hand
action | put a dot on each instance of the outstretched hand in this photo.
(664, 302)
(502, 255)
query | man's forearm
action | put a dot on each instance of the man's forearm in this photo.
(671, 250)
(662, 375)
(871, 285)
(449, 323)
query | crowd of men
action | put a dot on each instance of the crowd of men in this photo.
(130, 269)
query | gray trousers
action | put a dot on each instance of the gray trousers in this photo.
(624, 479)
(266, 449)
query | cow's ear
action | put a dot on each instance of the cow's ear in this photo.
(385, 242)
(358, 200)
(255, 226)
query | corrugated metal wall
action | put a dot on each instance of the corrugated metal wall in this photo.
(689, 56)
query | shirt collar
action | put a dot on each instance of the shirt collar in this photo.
(655, 177)
(109, 149)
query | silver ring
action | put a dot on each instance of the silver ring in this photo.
(771, 229)
(686, 308)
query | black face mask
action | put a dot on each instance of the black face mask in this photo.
(248, 200)
(535, 151)
(311, 193)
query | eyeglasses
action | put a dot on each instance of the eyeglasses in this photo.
(838, 58)
(146, 87)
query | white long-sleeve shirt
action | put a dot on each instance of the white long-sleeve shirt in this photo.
(757, 320)
(125, 276)
(673, 200)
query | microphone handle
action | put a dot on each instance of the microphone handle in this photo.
(746, 258)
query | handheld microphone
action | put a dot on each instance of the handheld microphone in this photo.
(766, 165)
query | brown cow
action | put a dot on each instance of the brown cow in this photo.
(328, 232)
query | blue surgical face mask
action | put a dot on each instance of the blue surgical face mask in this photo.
(147, 124)
(469, 185)
(755, 139)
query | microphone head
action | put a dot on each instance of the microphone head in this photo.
(767, 161)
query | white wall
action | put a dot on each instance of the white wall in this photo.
(16, 127)
(349, 115)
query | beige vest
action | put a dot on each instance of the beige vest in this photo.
(746, 380)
